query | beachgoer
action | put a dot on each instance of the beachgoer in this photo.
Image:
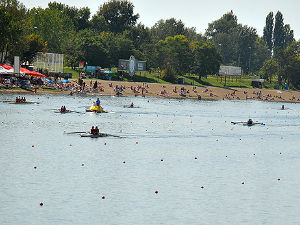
(98, 102)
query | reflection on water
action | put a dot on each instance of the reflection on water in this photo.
(169, 145)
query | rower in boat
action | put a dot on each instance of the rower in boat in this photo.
(63, 109)
(131, 105)
(94, 131)
(98, 102)
(250, 122)
(96, 107)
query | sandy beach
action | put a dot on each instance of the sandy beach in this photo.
(169, 91)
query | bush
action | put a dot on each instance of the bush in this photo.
(169, 74)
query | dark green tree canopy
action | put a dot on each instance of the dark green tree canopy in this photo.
(223, 25)
(80, 17)
(279, 34)
(268, 31)
(118, 15)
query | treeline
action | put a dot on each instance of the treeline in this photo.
(169, 46)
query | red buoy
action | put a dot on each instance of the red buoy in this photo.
(196, 158)
(103, 197)
(34, 167)
(243, 182)
(32, 146)
(156, 192)
(41, 204)
(278, 178)
(202, 187)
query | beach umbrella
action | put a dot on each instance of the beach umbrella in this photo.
(50, 81)
(109, 72)
(65, 81)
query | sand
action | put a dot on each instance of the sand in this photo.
(175, 91)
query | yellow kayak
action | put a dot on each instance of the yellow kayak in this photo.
(95, 108)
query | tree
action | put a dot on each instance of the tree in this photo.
(174, 50)
(288, 35)
(80, 17)
(165, 28)
(207, 59)
(269, 69)
(268, 31)
(87, 46)
(260, 54)
(223, 25)
(169, 73)
(13, 18)
(279, 34)
(53, 26)
(118, 15)
(35, 45)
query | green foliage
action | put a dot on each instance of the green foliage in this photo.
(268, 31)
(80, 17)
(35, 44)
(235, 41)
(269, 69)
(169, 73)
(14, 24)
(118, 15)
(174, 50)
(223, 25)
(279, 34)
(53, 26)
(260, 53)
(207, 60)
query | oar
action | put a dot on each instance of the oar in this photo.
(238, 122)
(77, 132)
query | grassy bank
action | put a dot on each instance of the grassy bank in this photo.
(189, 79)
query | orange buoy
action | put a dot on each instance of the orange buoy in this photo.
(41, 204)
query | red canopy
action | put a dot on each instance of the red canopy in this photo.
(26, 71)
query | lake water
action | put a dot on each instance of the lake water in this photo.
(171, 146)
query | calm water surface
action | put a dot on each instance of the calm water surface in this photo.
(160, 141)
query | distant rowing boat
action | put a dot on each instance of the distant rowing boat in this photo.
(248, 124)
(23, 103)
(95, 135)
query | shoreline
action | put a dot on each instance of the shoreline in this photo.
(177, 91)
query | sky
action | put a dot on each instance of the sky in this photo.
(198, 13)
